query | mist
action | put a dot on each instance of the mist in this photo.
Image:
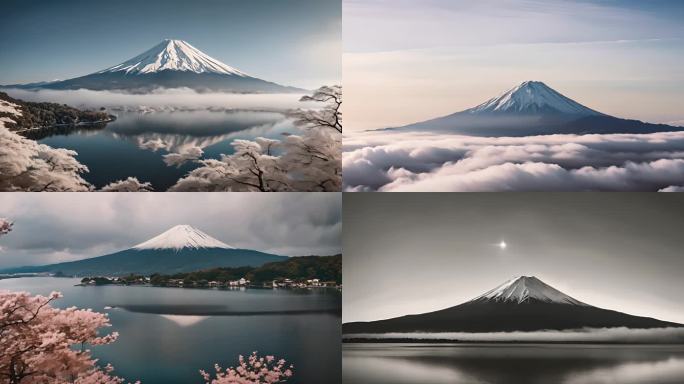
(669, 335)
(167, 98)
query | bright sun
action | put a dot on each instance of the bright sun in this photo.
(502, 244)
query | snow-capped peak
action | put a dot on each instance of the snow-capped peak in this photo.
(176, 55)
(533, 97)
(526, 288)
(182, 236)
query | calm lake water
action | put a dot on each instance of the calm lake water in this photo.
(169, 348)
(133, 144)
(512, 364)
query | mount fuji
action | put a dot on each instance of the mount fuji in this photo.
(533, 108)
(169, 64)
(521, 304)
(180, 249)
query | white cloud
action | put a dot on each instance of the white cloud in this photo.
(672, 188)
(180, 98)
(388, 161)
(667, 335)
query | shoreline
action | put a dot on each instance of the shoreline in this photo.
(80, 123)
(185, 310)
(222, 288)
(205, 287)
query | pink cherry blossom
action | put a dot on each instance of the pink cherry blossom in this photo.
(253, 370)
(42, 344)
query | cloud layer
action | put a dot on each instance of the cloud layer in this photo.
(179, 98)
(402, 162)
(587, 335)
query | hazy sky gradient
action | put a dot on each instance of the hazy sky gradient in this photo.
(430, 58)
(418, 252)
(55, 227)
(294, 42)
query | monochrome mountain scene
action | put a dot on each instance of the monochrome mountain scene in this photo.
(182, 248)
(523, 303)
(533, 108)
(512, 288)
(169, 64)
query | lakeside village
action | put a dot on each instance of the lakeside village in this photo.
(165, 281)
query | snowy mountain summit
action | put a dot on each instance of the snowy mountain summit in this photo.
(182, 248)
(529, 109)
(174, 55)
(526, 289)
(182, 237)
(533, 97)
(522, 304)
(171, 64)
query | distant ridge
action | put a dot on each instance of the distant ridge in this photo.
(532, 108)
(169, 64)
(521, 304)
(182, 248)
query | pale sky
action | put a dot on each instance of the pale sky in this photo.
(408, 253)
(430, 58)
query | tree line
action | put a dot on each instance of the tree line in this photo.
(50, 114)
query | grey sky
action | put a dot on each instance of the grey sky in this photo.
(294, 42)
(56, 227)
(417, 252)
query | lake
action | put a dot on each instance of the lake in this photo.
(170, 348)
(134, 144)
(512, 364)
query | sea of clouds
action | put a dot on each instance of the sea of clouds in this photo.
(420, 161)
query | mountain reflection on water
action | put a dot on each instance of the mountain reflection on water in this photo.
(512, 363)
(135, 143)
(170, 333)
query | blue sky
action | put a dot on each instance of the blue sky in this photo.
(427, 58)
(294, 42)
